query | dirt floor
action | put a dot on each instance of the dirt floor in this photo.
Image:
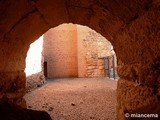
(76, 99)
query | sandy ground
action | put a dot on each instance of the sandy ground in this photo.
(76, 99)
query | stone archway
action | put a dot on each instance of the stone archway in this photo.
(69, 51)
(72, 50)
(131, 26)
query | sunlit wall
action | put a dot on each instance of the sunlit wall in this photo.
(34, 57)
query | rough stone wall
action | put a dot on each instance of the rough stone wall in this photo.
(93, 47)
(132, 26)
(104, 46)
(139, 71)
(62, 63)
(75, 51)
(60, 51)
(34, 65)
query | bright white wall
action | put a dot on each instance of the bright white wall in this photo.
(34, 57)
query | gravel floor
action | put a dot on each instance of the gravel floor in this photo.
(76, 99)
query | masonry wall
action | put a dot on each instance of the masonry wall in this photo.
(131, 25)
(69, 51)
(60, 51)
(75, 51)
(92, 48)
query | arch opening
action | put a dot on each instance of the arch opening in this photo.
(131, 26)
(68, 51)
(81, 51)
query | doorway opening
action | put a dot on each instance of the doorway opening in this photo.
(73, 61)
(70, 51)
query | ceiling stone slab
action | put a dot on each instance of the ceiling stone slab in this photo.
(11, 12)
(84, 15)
(81, 3)
(18, 40)
(53, 17)
(104, 22)
(126, 10)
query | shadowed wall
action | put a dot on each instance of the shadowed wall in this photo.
(131, 26)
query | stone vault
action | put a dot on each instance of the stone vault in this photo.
(131, 26)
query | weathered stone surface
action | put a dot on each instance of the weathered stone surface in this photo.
(50, 5)
(60, 51)
(153, 110)
(19, 26)
(133, 96)
(95, 47)
(141, 64)
(131, 26)
(24, 9)
(35, 80)
(12, 87)
(78, 51)
(126, 10)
